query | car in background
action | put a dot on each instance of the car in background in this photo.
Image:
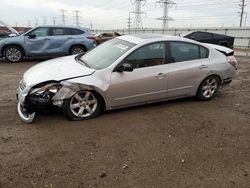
(126, 71)
(4, 34)
(103, 37)
(47, 41)
(212, 38)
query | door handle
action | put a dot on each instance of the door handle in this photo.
(203, 67)
(47, 39)
(161, 75)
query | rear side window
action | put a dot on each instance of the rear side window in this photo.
(202, 36)
(60, 31)
(77, 32)
(183, 51)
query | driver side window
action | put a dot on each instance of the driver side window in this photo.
(40, 32)
(147, 56)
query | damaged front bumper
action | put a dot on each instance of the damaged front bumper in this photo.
(31, 100)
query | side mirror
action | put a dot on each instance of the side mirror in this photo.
(32, 36)
(125, 67)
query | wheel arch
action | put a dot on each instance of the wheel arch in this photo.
(69, 89)
(213, 74)
(78, 44)
(13, 44)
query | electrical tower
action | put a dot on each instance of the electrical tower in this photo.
(129, 22)
(242, 12)
(44, 20)
(77, 16)
(63, 15)
(166, 4)
(36, 23)
(54, 20)
(138, 12)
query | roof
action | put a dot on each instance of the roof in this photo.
(144, 38)
(60, 26)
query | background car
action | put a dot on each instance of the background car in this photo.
(47, 41)
(212, 38)
(4, 35)
(103, 37)
(126, 71)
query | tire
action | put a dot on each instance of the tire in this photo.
(77, 50)
(13, 54)
(208, 88)
(82, 105)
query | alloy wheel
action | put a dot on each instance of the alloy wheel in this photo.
(83, 104)
(13, 54)
(209, 87)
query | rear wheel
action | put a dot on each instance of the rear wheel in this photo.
(82, 105)
(208, 88)
(13, 54)
(77, 50)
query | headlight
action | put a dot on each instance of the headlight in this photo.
(51, 87)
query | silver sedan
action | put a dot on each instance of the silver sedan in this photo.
(126, 71)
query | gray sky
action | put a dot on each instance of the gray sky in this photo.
(113, 14)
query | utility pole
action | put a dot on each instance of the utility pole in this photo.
(54, 20)
(166, 4)
(77, 16)
(63, 15)
(129, 22)
(242, 8)
(138, 12)
(44, 20)
(245, 20)
(29, 24)
(36, 23)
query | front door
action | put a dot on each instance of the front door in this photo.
(37, 42)
(148, 80)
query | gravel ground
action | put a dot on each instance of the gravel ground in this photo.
(181, 143)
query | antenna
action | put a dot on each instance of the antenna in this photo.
(138, 12)
(166, 4)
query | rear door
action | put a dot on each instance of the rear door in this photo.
(60, 39)
(188, 65)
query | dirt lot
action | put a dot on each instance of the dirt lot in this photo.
(183, 143)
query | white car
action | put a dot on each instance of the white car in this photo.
(126, 71)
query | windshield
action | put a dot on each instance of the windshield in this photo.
(107, 53)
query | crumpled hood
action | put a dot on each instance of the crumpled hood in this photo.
(55, 70)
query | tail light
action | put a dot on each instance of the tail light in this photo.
(232, 60)
(91, 37)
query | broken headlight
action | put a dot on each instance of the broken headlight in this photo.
(46, 88)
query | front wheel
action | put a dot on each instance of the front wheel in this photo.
(13, 54)
(82, 105)
(208, 88)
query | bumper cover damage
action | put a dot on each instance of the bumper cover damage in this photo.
(32, 103)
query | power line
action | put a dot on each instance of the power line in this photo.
(138, 12)
(166, 4)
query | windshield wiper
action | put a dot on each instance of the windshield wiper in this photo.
(78, 58)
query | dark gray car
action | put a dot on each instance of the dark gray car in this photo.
(47, 41)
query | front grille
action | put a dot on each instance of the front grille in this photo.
(22, 85)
